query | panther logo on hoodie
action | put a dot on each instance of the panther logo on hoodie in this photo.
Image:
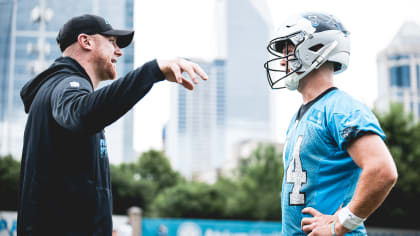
(104, 152)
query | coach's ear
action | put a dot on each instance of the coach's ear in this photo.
(86, 41)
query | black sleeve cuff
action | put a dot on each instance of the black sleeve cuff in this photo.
(155, 70)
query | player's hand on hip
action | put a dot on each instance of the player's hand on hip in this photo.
(319, 224)
(173, 69)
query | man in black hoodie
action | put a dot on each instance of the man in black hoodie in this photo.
(65, 185)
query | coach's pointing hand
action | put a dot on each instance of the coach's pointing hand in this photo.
(173, 69)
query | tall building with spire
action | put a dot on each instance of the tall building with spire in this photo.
(28, 46)
(196, 130)
(249, 102)
(399, 71)
(235, 104)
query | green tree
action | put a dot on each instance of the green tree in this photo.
(252, 194)
(154, 166)
(255, 192)
(189, 200)
(9, 183)
(128, 189)
(137, 184)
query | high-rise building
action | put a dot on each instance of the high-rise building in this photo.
(235, 104)
(27, 46)
(249, 108)
(6, 15)
(196, 130)
(399, 71)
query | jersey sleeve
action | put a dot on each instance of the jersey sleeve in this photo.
(351, 119)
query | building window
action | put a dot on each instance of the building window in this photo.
(182, 111)
(398, 57)
(400, 76)
(418, 76)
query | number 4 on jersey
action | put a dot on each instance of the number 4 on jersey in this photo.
(297, 176)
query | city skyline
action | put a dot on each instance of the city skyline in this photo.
(29, 46)
(206, 124)
(399, 69)
(195, 133)
(191, 27)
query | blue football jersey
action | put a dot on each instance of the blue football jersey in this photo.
(318, 171)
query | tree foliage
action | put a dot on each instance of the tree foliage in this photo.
(189, 200)
(154, 166)
(137, 184)
(128, 189)
(9, 183)
(253, 193)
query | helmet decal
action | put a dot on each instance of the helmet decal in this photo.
(314, 20)
(322, 22)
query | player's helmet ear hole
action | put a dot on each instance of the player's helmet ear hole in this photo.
(337, 66)
(316, 48)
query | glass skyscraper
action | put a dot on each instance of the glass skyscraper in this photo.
(235, 104)
(249, 105)
(196, 130)
(27, 46)
(399, 71)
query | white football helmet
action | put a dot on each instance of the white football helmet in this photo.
(315, 38)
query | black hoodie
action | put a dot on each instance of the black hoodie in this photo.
(65, 186)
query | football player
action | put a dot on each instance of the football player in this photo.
(337, 167)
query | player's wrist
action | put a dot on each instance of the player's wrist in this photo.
(339, 229)
(348, 220)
